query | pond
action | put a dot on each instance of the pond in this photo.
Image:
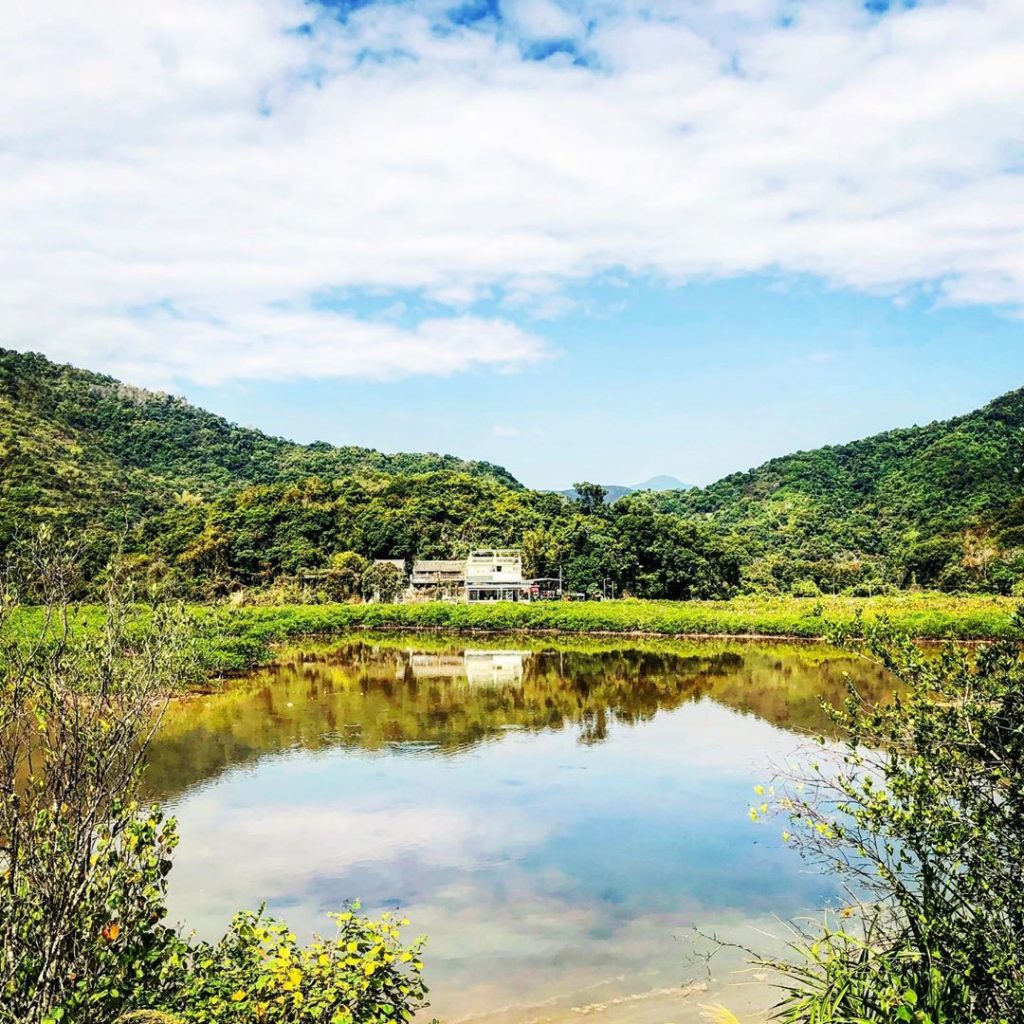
(558, 819)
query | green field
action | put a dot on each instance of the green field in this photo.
(237, 639)
(240, 637)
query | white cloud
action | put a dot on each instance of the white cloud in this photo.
(504, 430)
(178, 180)
(542, 20)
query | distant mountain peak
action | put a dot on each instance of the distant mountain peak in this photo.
(662, 483)
(616, 491)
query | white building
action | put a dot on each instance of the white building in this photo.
(496, 575)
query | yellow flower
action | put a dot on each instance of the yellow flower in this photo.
(237, 997)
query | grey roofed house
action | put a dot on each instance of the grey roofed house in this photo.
(438, 579)
(398, 563)
(428, 571)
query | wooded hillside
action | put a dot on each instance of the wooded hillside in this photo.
(202, 507)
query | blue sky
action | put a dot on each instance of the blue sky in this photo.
(582, 239)
(695, 381)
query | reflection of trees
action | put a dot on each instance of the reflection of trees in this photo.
(369, 697)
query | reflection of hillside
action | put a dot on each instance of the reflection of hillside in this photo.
(371, 697)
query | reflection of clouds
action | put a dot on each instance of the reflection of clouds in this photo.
(521, 844)
(238, 856)
(705, 735)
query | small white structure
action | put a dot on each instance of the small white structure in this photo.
(487, 574)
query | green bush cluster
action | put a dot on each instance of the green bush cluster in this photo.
(128, 964)
(83, 869)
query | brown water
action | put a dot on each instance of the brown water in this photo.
(558, 821)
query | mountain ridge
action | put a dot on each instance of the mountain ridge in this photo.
(214, 506)
(878, 495)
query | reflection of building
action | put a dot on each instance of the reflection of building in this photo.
(437, 666)
(479, 668)
(494, 668)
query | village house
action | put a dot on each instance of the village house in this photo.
(496, 575)
(489, 574)
(437, 579)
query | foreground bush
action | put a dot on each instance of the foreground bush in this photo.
(924, 817)
(84, 869)
(257, 973)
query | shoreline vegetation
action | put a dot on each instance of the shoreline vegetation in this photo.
(243, 638)
(234, 640)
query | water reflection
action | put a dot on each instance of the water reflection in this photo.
(373, 694)
(554, 818)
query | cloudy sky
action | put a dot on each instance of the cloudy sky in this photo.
(584, 239)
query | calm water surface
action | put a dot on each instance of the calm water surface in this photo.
(557, 821)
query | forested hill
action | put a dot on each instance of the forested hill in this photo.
(194, 506)
(934, 504)
(201, 508)
(175, 442)
(95, 457)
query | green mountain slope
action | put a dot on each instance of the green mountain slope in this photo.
(917, 502)
(201, 508)
(182, 444)
(89, 454)
(204, 508)
(615, 491)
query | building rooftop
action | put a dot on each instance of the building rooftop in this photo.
(439, 565)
